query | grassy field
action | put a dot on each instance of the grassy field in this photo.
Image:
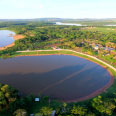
(92, 22)
(100, 29)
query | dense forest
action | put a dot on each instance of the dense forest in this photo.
(45, 35)
(13, 104)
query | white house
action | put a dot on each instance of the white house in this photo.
(37, 99)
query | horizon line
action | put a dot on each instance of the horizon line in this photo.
(50, 18)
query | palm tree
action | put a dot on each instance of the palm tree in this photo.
(64, 107)
(20, 112)
(46, 111)
(78, 110)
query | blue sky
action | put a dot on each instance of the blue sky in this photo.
(57, 8)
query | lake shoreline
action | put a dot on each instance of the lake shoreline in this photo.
(94, 94)
(15, 37)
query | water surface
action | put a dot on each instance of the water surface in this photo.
(111, 25)
(5, 38)
(62, 77)
(71, 24)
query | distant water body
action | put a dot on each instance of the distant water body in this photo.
(6, 38)
(71, 24)
(75, 24)
(110, 25)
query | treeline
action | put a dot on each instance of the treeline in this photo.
(45, 35)
(40, 37)
(13, 104)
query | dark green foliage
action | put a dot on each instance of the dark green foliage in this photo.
(8, 95)
(20, 112)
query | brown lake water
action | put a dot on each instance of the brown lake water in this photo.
(63, 77)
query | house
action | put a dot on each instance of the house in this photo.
(96, 47)
(37, 99)
(55, 48)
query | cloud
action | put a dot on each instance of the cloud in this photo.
(25, 4)
(21, 8)
(57, 8)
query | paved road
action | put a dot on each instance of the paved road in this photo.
(74, 52)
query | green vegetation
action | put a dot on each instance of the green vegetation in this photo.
(92, 22)
(78, 110)
(93, 40)
(20, 112)
(8, 96)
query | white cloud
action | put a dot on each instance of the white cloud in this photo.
(27, 4)
(57, 8)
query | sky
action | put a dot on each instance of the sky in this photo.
(27, 9)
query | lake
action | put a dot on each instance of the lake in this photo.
(62, 77)
(111, 25)
(71, 24)
(5, 39)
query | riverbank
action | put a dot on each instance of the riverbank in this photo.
(18, 36)
(15, 37)
(106, 90)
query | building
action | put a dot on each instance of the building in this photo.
(37, 99)
(96, 47)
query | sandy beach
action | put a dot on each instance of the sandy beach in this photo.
(16, 37)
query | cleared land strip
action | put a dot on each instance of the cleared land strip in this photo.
(74, 52)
